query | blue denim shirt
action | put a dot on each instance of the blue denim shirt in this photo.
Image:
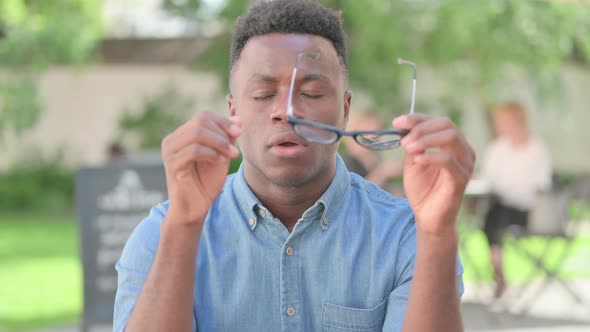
(346, 266)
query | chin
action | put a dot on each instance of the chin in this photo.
(290, 177)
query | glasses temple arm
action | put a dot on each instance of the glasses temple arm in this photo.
(413, 96)
(406, 62)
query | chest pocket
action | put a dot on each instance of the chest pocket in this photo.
(337, 318)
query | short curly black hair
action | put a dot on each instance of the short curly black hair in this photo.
(289, 16)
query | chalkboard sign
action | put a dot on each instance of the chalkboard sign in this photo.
(110, 202)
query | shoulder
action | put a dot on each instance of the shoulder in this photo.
(149, 227)
(148, 230)
(143, 242)
(538, 150)
(537, 144)
(360, 186)
(379, 205)
(492, 150)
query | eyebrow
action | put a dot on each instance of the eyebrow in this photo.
(315, 77)
(262, 78)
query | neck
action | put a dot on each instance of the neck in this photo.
(366, 157)
(519, 140)
(288, 206)
(288, 202)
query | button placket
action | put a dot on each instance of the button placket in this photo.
(290, 283)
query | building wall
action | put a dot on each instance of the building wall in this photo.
(82, 107)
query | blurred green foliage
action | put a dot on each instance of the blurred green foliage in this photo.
(156, 117)
(188, 9)
(38, 185)
(35, 34)
(470, 45)
(234, 164)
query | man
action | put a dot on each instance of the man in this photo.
(293, 241)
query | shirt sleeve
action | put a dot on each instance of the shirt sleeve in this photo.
(134, 265)
(398, 298)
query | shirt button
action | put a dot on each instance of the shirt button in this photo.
(291, 311)
(251, 222)
(325, 221)
(289, 251)
(263, 214)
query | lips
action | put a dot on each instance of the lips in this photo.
(287, 145)
(287, 139)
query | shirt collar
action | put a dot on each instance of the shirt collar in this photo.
(335, 194)
(325, 207)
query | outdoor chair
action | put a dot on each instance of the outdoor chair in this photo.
(549, 222)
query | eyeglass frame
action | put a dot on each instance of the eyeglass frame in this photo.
(294, 121)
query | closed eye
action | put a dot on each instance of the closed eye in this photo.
(312, 95)
(263, 97)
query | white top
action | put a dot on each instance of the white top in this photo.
(516, 174)
(477, 187)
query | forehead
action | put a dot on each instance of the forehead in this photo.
(274, 54)
(506, 114)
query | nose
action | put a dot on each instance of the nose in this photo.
(281, 108)
(279, 114)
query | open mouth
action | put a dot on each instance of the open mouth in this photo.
(288, 144)
(288, 148)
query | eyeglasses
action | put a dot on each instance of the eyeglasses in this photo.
(316, 132)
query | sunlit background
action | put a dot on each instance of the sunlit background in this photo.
(83, 82)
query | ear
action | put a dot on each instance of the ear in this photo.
(347, 101)
(231, 104)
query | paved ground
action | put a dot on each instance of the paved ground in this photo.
(550, 308)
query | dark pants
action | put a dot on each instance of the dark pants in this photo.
(499, 217)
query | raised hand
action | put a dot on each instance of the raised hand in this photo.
(438, 166)
(196, 158)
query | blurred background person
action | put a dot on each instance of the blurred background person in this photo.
(116, 153)
(365, 162)
(516, 166)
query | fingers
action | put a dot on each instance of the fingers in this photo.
(409, 121)
(190, 154)
(438, 141)
(427, 132)
(431, 140)
(227, 125)
(420, 125)
(204, 134)
(445, 160)
(449, 139)
(206, 130)
(237, 122)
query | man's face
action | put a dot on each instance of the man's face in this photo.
(259, 93)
